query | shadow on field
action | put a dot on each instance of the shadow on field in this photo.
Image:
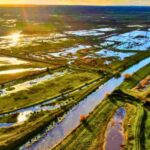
(87, 126)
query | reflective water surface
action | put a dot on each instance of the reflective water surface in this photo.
(72, 119)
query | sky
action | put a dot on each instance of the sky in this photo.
(78, 2)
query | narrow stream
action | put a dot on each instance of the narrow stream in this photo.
(115, 132)
(28, 84)
(43, 105)
(72, 119)
(3, 125)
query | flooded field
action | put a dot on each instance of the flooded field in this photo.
(5, 61)
(92, 32)
(18, 39)
(108, 53)
(61, 71)
(137, 40)
(71, 50)
(115, 132)
(72, 119)
(30, 83)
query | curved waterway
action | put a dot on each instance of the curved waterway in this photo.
(87, 105)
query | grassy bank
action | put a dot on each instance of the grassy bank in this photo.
(90, 133)
(14, 136)
(51, 88)
(133, 127)
(135, 78)
(147, 130)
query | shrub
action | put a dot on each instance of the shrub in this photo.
(82, 118)
(107, 94)
(127, 76)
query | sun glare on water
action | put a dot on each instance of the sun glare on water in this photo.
(23, 116)
(15, 37)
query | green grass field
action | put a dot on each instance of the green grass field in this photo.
(20, 133)
(51, 88)
(39, 36)
(87, 136)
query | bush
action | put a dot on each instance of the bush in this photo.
(107, 94)
(82, 118)
(127, 76)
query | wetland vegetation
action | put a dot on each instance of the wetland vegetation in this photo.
(74, 77)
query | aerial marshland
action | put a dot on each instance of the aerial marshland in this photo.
(74, 77)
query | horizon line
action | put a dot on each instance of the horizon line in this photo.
(73, 5)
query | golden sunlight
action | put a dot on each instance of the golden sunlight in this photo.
(15, 37)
